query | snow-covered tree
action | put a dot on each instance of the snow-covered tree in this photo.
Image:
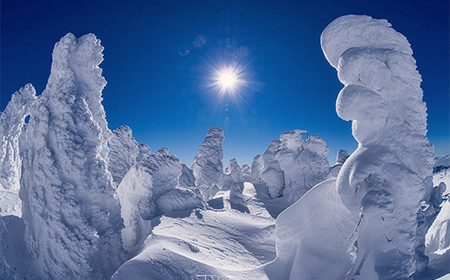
(139, 190)
(71, 216)
(384, 181)
(233, 174)
(159, 184)
(294, 165)
(208, 166)
(247, 172)
(271, 174)
(123, 153)
(12, 126)
(256, 169)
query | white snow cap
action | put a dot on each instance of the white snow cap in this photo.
(383, 98)
(353, 31)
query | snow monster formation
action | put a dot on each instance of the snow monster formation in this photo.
(383, 182)
(72, 219)
(12, 126)
(159, 184)
(208, 167)
(293, 165)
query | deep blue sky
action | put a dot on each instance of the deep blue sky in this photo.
(163, 94)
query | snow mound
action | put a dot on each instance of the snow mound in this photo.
(213, 243)
(208, 167)
(383, 98)
(314, 237)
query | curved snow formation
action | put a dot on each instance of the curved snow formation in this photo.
(293, 165)
(72, 219)
(383, 182)
(12, 126)
(208, 166)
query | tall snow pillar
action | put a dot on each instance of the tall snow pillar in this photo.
(72, 218)
(208, 167)
(383, 182)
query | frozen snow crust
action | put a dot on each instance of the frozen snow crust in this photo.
(78, 201)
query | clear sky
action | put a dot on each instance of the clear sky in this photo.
(160, 57)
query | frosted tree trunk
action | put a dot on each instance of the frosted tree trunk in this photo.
(383, 182)
(71, 216)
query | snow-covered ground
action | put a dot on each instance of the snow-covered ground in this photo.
(216, 242)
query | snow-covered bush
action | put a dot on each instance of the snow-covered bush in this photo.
(384, 181)
(71, 216)
(208, 167)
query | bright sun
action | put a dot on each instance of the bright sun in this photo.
(227, 79)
